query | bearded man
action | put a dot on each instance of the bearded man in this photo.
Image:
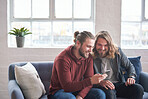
(109, 59)
(73, 74)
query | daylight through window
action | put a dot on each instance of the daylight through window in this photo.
(52, 22)
(134, 25)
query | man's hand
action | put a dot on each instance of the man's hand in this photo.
(95, 79)
(107, 84)
(78, 97)
(130, 81)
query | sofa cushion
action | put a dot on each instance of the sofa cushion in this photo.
(29, 81)
(137, 64)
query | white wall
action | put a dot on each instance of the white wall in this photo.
(107, 18)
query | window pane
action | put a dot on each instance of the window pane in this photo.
(21, 24)
(131, 10)
(62, 33)
(22, 8)
(63, 8)
(83, 26)
(130, 35)
(41, 34)
(144, 35)
(40, 11)
(146, 9)
(82, 8)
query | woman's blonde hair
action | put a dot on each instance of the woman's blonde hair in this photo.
(111, 46)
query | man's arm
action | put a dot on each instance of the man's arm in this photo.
(95, 79)
(64, 75)
(88, 74)
(129, 67)
(125, 62)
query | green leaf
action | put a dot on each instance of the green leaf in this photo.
(20, 32)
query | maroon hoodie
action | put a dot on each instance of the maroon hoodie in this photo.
(71, 74)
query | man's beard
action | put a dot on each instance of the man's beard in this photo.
(102, 53)
(81, 52)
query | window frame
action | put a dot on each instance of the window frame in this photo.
(51, 17)
(143, 11)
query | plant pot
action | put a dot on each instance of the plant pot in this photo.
(20, 41)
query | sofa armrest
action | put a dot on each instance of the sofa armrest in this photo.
(143, 80)
(14, 90)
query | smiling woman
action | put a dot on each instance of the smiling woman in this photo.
(52, 22)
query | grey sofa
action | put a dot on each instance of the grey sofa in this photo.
(44, 70)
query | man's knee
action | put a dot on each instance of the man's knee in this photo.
(99, 93)
(62, 95)
(138, 88)
(68, 97)
(110, 94)
(137, 91)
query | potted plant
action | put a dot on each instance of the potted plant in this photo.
(20, 35)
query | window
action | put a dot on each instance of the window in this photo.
(52, 22)
(134, 25)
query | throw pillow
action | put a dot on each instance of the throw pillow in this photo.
(29, 81)
(137, 64)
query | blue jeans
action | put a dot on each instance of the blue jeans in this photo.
(94, 93)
